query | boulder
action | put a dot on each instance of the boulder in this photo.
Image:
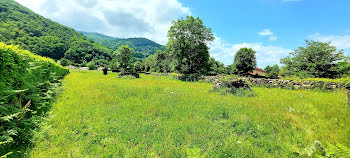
(121, 74)
(236, 83)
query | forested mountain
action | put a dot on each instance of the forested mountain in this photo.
(143, 47)
(23, 27)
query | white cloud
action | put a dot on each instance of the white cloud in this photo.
(118, 18)
(339, 41)
(266, 55)
(268, 33)
(265, 32)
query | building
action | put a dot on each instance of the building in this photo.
(257, 72)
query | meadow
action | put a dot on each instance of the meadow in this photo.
(157, 116)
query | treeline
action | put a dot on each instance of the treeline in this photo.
(20, 26)
(187, 52)
(27, 85)
(143, 47)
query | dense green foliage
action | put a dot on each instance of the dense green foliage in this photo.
(215, 67)
(344, 67)
(272, 71)
(187, 45)
(157, 116)
(91, 65)
(138, 66)
(245, 60)
(124, 57)
(317, 59)
(27, 83)
(143, 47)
(161, 61)
(21, 26)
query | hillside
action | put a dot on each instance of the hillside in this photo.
(143, 47)
(23, 27)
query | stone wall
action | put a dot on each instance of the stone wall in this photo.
(292, 84)
(297, 84)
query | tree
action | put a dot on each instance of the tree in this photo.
(344, 67)
(91, 65)
(317, 59)
(245, 60)
(215, 67)
(272, 71)
(187, 45)
(138, 66)
(48, 46)
(124, 57)
(150, 63)
(65, 62)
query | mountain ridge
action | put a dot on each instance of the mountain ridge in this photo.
(143, 47)
(31, 31)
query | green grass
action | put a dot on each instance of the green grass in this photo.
(106, 116)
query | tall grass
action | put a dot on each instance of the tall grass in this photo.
(107, 116)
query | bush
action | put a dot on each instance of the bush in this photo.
(27, 85)
(134, 74)
(91, 65)
(65, 62)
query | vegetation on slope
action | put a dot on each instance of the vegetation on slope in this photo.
(107, 116)
(21, 26)
(27, 86)
(143, 47)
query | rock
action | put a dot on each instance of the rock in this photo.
(105, 71)
(236, 83)
(121, 74)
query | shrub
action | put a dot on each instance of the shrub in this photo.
(27, 85)
(91, 65)
(65, 62)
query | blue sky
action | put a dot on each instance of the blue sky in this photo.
(284, 24)
(273, 28)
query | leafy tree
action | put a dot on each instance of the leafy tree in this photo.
(272, 71)
(344, 67)
(114, 64)
(215, 67)
(245, 60)
(151, 63)
(65, 62)
(124, 56)
(163, 61)
(138, 66)
(91, 65)
(317, 59)
(187, 45)
(49, 46)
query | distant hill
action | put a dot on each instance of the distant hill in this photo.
(23, 27)
(143, 47)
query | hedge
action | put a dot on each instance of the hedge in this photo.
(27, 85)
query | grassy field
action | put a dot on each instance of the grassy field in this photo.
(106, 116)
